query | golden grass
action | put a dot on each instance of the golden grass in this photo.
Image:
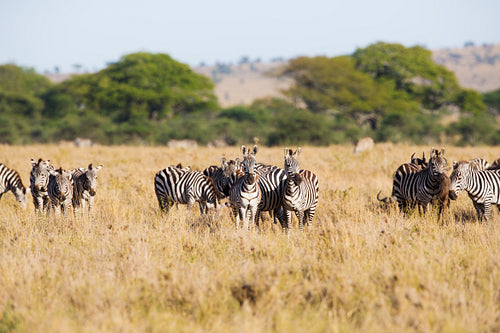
(361, 268)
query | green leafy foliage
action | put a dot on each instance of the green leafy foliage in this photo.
(386, 91)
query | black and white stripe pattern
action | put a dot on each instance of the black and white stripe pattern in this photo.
(245, 194)
(10, 181)
(84, 188)
(178, 185)
(272, 185)
(413, 187)
(39, 181)
(479, 163)
(60, 190)
(483, 187)
(301, 191)
(223, 176)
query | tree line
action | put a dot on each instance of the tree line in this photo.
(386, 91)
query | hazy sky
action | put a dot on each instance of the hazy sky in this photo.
(46, 33)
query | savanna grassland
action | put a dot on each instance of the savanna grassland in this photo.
(361, 268)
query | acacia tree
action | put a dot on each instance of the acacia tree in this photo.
(142, 86)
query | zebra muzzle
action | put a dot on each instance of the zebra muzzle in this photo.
(92, 192)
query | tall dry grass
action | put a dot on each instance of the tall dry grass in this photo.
(361, 268)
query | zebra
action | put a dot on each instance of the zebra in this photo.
(223, 176)
(85, 184)
(483, 187)
(179, 185)
(11, 181)
(301, 191)
(272, 185)
(60, 190)
(421, 187)
(245, 194)
(416, 164)
(480, 164)
(39, 180)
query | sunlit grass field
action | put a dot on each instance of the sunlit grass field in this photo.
(361, 268)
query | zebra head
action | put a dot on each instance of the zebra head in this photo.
(249, 162)
(437, 161)
(63, 181)
(292, 165)
(229, 170)
(21, 193)
(90, 181)
(458, 176)
(39, 177)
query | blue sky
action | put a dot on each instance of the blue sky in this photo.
(91, 33)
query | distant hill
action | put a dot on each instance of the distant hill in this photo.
(476, 67)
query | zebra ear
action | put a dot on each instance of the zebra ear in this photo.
(455, 164)
(223, 162)
(286, 152)
(255, 150)
(98, 168)
(297, 152)
(243, 149)
(33, 163)
(442, 151)
(53, 172)
(90, 166)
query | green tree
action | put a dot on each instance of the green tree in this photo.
(144, 85)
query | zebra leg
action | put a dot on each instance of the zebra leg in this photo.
(479, 210)
(300, 216)
(91, 201)
(242, 216)
(487, 210)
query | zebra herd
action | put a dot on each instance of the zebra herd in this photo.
(420, 183)
(250, 187)
(52, 189)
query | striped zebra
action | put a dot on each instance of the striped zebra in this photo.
(223, 176)
(301, 191)
(483, 187)
(179, 185)
(416, 164)
(479, 164)
(11, 181)
(245, 194)
(272, 185)
(421, 187)
(60, 190)
(39, 181)
(85, 185)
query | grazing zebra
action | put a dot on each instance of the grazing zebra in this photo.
(85, 184)
(222, 176)
(60, 190)
(421, 187)
(179, 185)
(10, 181)
(245, 194)
(39, 181)
(483, 187)
(301, 191)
